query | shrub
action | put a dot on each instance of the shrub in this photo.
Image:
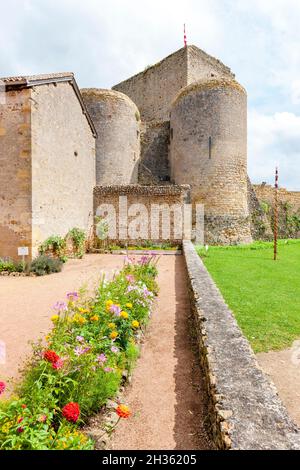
(44, 265)
(56, 244)
(10, 266)
(78, 238)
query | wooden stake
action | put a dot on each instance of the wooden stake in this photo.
(276, 215)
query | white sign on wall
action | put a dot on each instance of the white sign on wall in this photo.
(23, 251)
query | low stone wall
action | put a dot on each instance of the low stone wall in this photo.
(170, 195)
(245, 411)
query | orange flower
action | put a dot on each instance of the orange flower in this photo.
(114, 334)
(123, 411)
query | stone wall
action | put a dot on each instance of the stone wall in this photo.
(265, 193)
(63, 163)
(154, 89)
(245, 411)
(260, 224)
(208, 150)
(117, 121)
(146, 195)
(154, 163)
(15, 171)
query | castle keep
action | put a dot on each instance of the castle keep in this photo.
(64, 152)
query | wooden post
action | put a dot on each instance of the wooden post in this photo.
(276, 215)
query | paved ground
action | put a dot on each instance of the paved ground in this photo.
(25, 303)
(166, 392)
(283, 367)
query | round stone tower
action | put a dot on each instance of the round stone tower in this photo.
(117, 121)
(208, 150)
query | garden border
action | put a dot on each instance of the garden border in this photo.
(245, 411)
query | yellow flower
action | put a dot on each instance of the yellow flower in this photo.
(83, 310)
(55, 318)
(124, 314)
(114, 334)
(135, 324)
(94, 318)
(108, 304)
(79, 319)
(129, 305)
(111, 326)
(47, 338)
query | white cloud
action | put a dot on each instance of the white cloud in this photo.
(274, 140)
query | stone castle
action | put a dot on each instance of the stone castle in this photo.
(175, 132)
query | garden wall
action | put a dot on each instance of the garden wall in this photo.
(265, 193)
(105, 196)
(244, 408)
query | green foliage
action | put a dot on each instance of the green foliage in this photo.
(55, 244)
(263, 294)
(10, 266)
(78, 238)
(93, 341)
(42, 265)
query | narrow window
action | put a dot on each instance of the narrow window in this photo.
(171, 132)
(209, 147)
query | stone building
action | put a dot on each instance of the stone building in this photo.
(47, 161)
(194, 131)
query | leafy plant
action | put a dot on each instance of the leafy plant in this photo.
(44, 265)
(56, 244)
(10, 266)
(78, 238)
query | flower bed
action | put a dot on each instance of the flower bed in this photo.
(92, 342)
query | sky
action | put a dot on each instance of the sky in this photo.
(105, 42)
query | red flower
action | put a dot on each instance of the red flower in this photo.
(123, 411)
(20, 419)
(51, 356)
(24, 406)
(71, 412)
(20, 429)
(2, 387)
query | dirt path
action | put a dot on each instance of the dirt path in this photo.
(25, 304)
(283, 367)
(166, 391)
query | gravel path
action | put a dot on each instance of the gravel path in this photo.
(166, 391)
(283, 367)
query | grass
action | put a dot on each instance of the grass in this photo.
(263, 294)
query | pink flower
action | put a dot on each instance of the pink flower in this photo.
(115, 309)
(108, 369)
(2, 387)
(60, 306)
(101, 358)
(130, 278)
(42, 418)
(80, 339)
(114, 349)
(58, 364)
(72, 296)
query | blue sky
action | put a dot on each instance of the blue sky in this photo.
(104, 42)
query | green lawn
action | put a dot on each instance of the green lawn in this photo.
(263, 294)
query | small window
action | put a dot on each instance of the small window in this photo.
(76, 153)
(171, 132)
(209, 147)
